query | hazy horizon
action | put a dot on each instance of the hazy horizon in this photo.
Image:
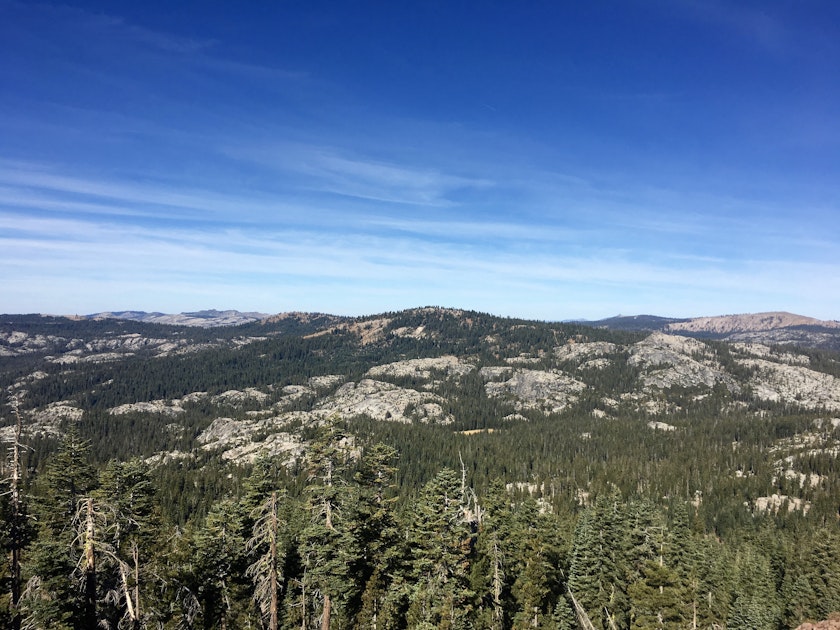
(540, 160)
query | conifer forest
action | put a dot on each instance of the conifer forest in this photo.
(430, 468)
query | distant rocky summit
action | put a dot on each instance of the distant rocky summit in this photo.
(205, 319)
(727, 324)
(767, 328)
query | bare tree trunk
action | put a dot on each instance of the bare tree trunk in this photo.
(129, 604)
(273, 574)
(17, 519)
(583, 618)
(90, 563)
(325, 618)
(136, 556)
(303, 600)
(497, 583)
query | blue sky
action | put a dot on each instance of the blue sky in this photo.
(547, 160)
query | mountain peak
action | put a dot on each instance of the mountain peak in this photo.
(725, 324)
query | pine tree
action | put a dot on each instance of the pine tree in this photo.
(381, 558)
(130, 521)
(598, 568)
(755, 602)
(266, 570)
(799, 598)
(16, 532)
(714, 583)
(659, 591)
(824, 573)
(218, 562)
(328, 545)
(539, 560)
(52, 597)
(441, 540)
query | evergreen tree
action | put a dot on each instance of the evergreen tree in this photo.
(598, 569)
(713, 582)
(381, 558)
(127, 505)
(824, 573)
(267, 569)
(218, 564)
(52, 597)
(492, 567)
(16, 531)
(328, 545)
(755, 602)
(440, 540)
(539, 557)
(659, 589)
(799, 598)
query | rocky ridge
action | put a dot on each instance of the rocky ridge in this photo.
(204, 319)
(520, 381)
(754, 322)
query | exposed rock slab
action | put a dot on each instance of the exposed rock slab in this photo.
(171, 407)
(674, 361)
(726, 324)
(550, 391)
(577, 351)
(237, 397)
(793, 384)
(762, 351)
(661, 426)
(165, 407)
(385, 401)
(422, 369)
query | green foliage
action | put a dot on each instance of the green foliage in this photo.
(372, 526)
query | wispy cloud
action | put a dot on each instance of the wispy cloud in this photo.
(42, 252)
(40, 186)
(327, 169)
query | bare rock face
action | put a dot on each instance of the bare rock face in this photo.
(794, 384)
(369, 330)
(761, 351)
(15, 343)
(237, 440)
(595, 364)
(661, 426)
(385, 401)
(285, 447)
(203, 319)
(171, 407)
(533, 389)
(236, 397)
(423, 369)
(166, 407)
(775, 502)
(577, 351)
(496, 373)
(327, 381)
(45, 422)
(726, 324)
(671, 360)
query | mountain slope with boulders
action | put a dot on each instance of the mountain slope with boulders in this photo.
(728, 448)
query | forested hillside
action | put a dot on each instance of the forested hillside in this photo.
(431, 468)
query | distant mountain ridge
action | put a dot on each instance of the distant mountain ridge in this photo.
(726, 324)
(775, 327)
(205, 319)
